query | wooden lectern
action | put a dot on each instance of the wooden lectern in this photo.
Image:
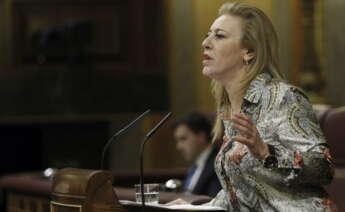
(80, 190)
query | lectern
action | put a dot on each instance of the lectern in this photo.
(80, 190)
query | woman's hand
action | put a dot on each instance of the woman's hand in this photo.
(178, 201)
(249, 136)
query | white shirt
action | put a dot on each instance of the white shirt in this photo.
(200, 164)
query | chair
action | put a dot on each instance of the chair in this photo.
(332, 122)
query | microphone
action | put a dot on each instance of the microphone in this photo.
(113, 138)
(148, 135)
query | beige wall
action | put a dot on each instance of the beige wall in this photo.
(335, 51)
(180, 55)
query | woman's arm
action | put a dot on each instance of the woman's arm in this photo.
(298, 144)
(300, 147)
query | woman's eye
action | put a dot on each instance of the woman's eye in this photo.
(219, 36)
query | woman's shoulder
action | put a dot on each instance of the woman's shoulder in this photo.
(288, 89)
(288, 94)
(282, 92)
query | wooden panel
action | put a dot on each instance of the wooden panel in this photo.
(123, 65)
(124, 33)
(20, 202)
(108, 24)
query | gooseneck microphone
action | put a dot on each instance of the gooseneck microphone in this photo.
(113, 138)
(148, 135)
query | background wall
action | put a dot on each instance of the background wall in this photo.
(334, 29)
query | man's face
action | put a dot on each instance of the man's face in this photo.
(188, 143)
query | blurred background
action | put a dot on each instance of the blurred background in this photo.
(74, 72)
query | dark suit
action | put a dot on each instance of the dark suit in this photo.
(208, 183)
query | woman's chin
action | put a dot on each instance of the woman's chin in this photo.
(209, 72)
(206, 71)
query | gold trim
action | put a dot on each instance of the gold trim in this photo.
(68, 195)
(52, 203)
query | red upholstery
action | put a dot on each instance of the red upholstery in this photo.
(333, 126)
(337, 189)
(332, 122)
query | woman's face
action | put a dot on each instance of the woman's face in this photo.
(223, 52)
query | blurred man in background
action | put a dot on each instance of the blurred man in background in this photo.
(193, 138)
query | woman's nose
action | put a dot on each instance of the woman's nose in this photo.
(206, 43)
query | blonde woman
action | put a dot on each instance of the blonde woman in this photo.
(274, 156)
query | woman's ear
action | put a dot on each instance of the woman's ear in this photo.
(249, 55)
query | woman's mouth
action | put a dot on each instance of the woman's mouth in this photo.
(206, 59)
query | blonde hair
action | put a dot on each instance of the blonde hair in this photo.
(259, 37)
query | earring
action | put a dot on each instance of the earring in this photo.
(246, 62)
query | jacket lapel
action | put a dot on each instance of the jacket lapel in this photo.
(207, 172)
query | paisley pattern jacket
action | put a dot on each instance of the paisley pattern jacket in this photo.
(286, 121)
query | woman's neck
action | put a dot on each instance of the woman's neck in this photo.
(234, 90)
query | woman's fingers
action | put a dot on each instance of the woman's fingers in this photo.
(241, 120)
(243, 126)
(243, 140)
(238, 152)
(243, 117)
(249, 135)
(244, 131)
(178, 202)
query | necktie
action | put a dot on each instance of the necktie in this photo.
(189, 176)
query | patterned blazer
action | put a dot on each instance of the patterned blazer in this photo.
(286, 122)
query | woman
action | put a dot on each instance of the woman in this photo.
(274, 156)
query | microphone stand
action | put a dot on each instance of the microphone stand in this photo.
(148, 135)
(113, 138)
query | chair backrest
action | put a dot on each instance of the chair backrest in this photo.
(332, 123)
